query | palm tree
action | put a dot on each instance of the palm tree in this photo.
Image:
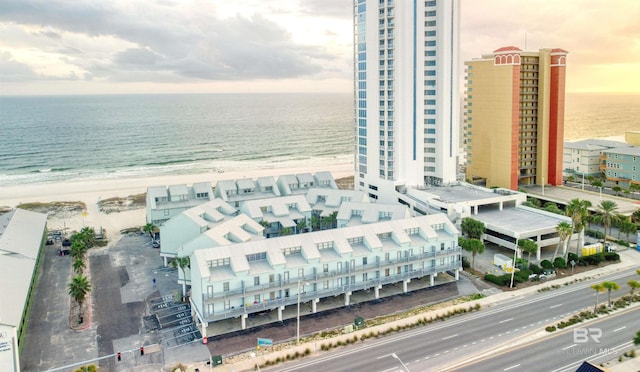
(78, 249)
(149, 228)
(578, 210)
(79, 265)
(300, 226)
(473, 229)
(627, 227)
(564, 230)
(286, 231)
(473, 245)
(182, 263)
(611, 286)
(78, 289)
(633, 285)
(607, 210)
(616, 189)
(528, 246)
(599, 287)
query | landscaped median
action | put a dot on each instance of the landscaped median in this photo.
(582, 316)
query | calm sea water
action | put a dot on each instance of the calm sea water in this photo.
(54, 138)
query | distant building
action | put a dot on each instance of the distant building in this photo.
(584, 158)
(406, 95)
(632, 137)
(235, 192)
(621, 165)
(21, 241)
(166, 202)
(514, 117)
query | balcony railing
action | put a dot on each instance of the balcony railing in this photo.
(268, 304)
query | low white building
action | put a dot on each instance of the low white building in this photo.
(22, 236)
(235, 192)
(166, 202)
(265, 275)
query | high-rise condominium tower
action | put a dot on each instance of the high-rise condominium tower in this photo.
(514, 117)
(406, 94)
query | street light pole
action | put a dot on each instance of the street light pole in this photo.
(399, 360)
(298, 319)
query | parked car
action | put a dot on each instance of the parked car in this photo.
(155, 244)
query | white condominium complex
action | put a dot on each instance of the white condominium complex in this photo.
(406, 94)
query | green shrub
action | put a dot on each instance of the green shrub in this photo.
(522, 276)
(546, 264)
(498, 280)
(623, 243)
(550, 328)
(465, 263)
(559, 263)
(611, 256)
(535, 269)
(572, 256)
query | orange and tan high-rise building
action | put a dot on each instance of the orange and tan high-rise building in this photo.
(514, 117)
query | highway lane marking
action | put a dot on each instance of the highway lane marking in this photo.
(499, 334)
(508, 368)
(465, 345)
(554, 306)
(506, 320)
(568, 347)
(620, 329)
(448, 337)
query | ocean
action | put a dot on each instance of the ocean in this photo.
(59, 138)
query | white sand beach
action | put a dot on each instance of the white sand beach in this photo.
(91, 191)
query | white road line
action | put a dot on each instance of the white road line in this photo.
(427, 358)
(506, 320)
(620, 329)
(491, 338)
(554, 306)
(483, 340)
(465, 345)
(499, 334)
(448, 337)
(437, 354)
(508, 368)
(568, 347)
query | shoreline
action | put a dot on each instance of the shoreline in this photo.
(91, 191)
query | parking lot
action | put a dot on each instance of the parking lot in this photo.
(124, 294)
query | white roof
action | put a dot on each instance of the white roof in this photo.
(202, 187)
(308, 243)
(175, 190)
(21, 236)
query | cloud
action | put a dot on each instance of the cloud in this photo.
(11, 70)
(168, 38)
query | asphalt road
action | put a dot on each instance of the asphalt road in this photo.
(560, 352)
(438, 345)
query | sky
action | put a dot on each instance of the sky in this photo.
(223, 46)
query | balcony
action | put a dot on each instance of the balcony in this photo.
(292, 299)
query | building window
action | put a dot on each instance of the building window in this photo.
(256, 280)
(227, 304)
(225, 286)
(325, 268)
(364, 261)
(256, 299)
